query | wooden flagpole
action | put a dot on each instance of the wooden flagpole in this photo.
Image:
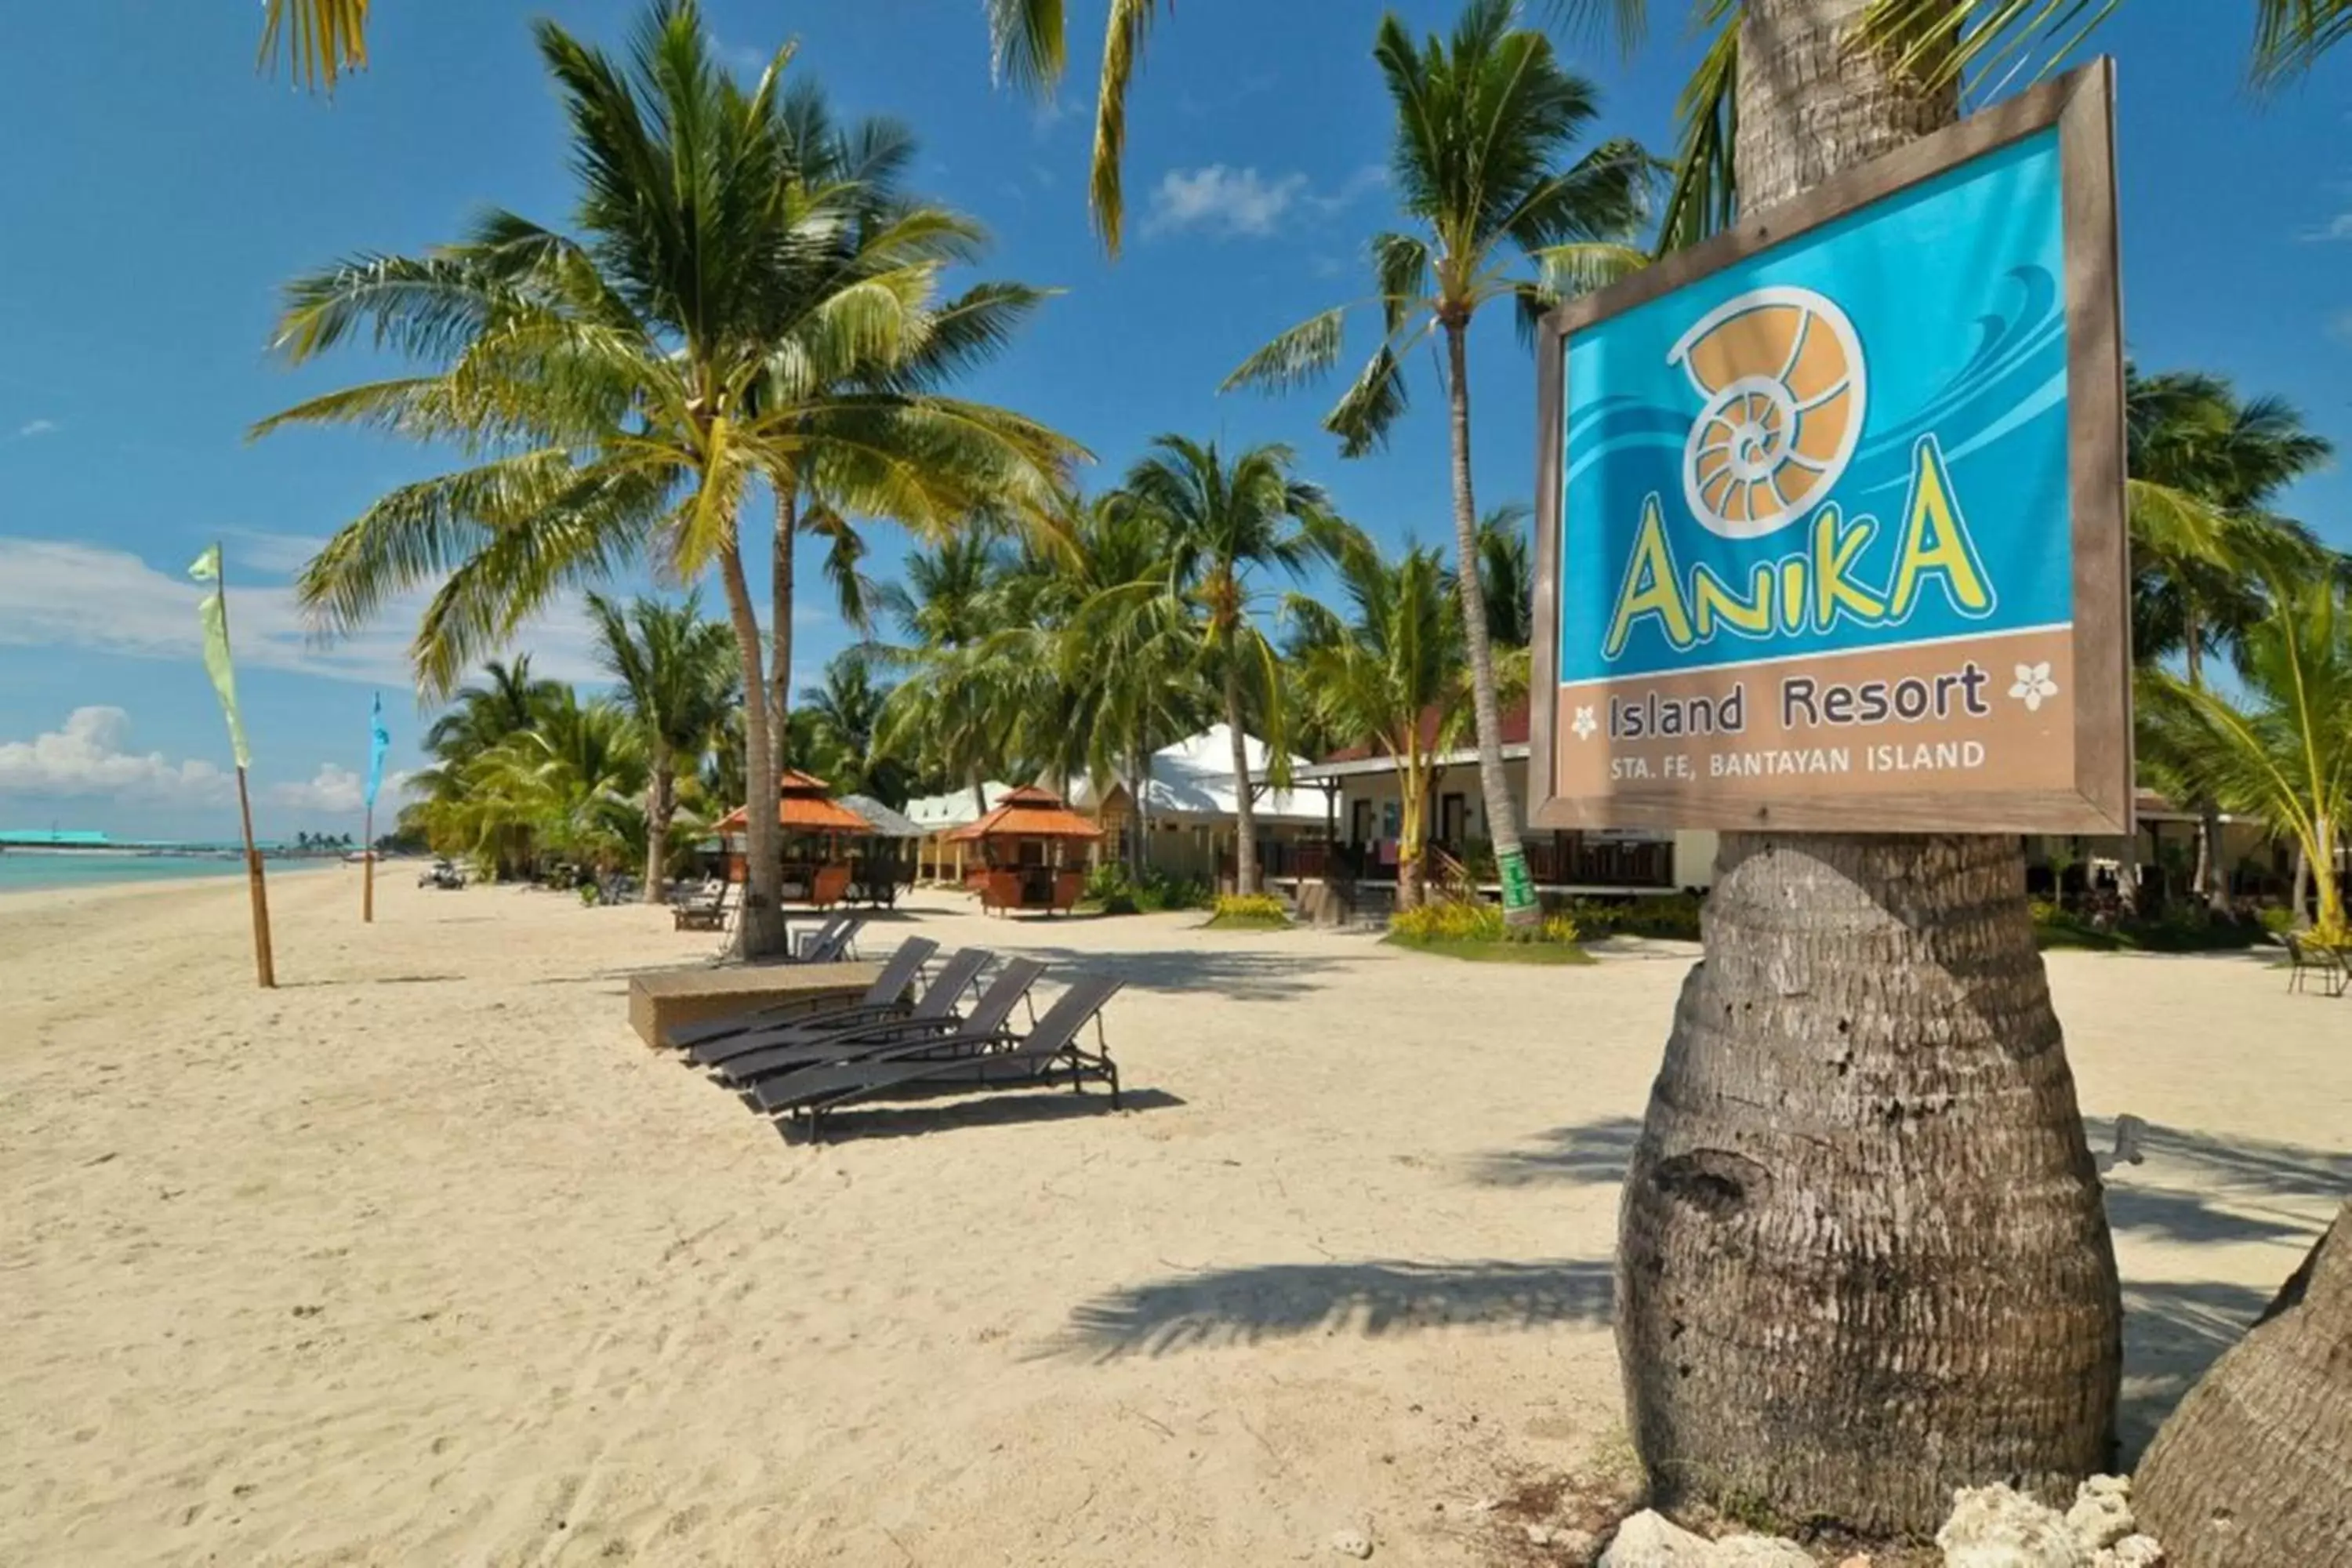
(264, 969)
(367, 867)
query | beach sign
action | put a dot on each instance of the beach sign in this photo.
(1831, 505)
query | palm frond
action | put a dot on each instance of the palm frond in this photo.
(1123, 36)
(1362, 416)
(319, 39)
(1297, 358)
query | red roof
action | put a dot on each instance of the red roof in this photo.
(1028, 813)
(1515, 733)
(802, 805)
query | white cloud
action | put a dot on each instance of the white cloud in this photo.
(25, 432)
(1368, 178)
(1224, 201)
(331, 791)
(2337, 227)
(63, 592)
(89, 756)
(2339, 326)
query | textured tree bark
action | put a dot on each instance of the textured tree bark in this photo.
(661, 804)
(1494, 787)
(1245, 807)
(1863, 1258)
(2255, 1467)
(759, 929)
(780, 625)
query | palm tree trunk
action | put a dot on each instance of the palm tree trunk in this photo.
(1519, 905)
(780, 625)
(1245, 807)
(2251, 1468)
(1138, 789)
(2299, 899)
(759, 932)
(1863, 1258)
(661, 801)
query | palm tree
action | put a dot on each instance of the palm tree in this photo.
(1390, 672)
(1223, 523)
(1506, 577)
(1865, 1102)
(1484, 123)
(2284, 754)
(509, 699)
(677, 678)
(950, 714)
(2205, 468)
(845, 717)
(628, 386)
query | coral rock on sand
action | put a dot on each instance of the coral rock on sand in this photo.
(1650, 1539)
(1352, 1543)
(1993, 1527)
(1758, 1552)
(2102, 1513)
(2132, 1552)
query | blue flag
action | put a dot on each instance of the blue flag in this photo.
(379, 743)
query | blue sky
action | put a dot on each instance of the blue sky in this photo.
(157, 191)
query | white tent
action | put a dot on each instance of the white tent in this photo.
(1192, 782)
(938, 813)
(933, 815)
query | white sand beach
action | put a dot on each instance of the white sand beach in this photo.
(425, 1258)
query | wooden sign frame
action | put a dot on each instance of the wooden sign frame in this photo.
(2081, 105)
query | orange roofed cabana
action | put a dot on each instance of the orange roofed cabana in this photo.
(1029, 854)
(814, 824)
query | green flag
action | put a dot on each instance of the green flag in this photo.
(206, 569)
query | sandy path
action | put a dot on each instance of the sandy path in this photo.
(424, 1258)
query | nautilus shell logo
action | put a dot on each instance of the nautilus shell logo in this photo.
(1780, 370)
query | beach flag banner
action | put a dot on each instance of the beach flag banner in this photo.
(214, 612)
(379, 744)
(1831, 506)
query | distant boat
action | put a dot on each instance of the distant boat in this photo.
(355, 857)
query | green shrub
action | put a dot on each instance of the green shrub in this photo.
(1463, 920)
(2277, 918)
(1157, 894)
(1110, 889)
(1251, 911)
(1666, 916)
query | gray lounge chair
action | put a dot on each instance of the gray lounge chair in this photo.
(935, 1006)
(830, 943)
(888, 991)
(939, 1033)
(998, 1060)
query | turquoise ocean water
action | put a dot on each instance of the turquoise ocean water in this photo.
(25, 868)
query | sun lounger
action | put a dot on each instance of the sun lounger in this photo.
(887, 994)
(1005, 1061)
(830, 943)
(2333, 965)
(933, 1032)
(707, 912)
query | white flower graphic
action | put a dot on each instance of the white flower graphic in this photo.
(2033, 685)
(1584, 724)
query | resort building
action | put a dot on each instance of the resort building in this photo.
(1365, 825)
(1187, 812)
